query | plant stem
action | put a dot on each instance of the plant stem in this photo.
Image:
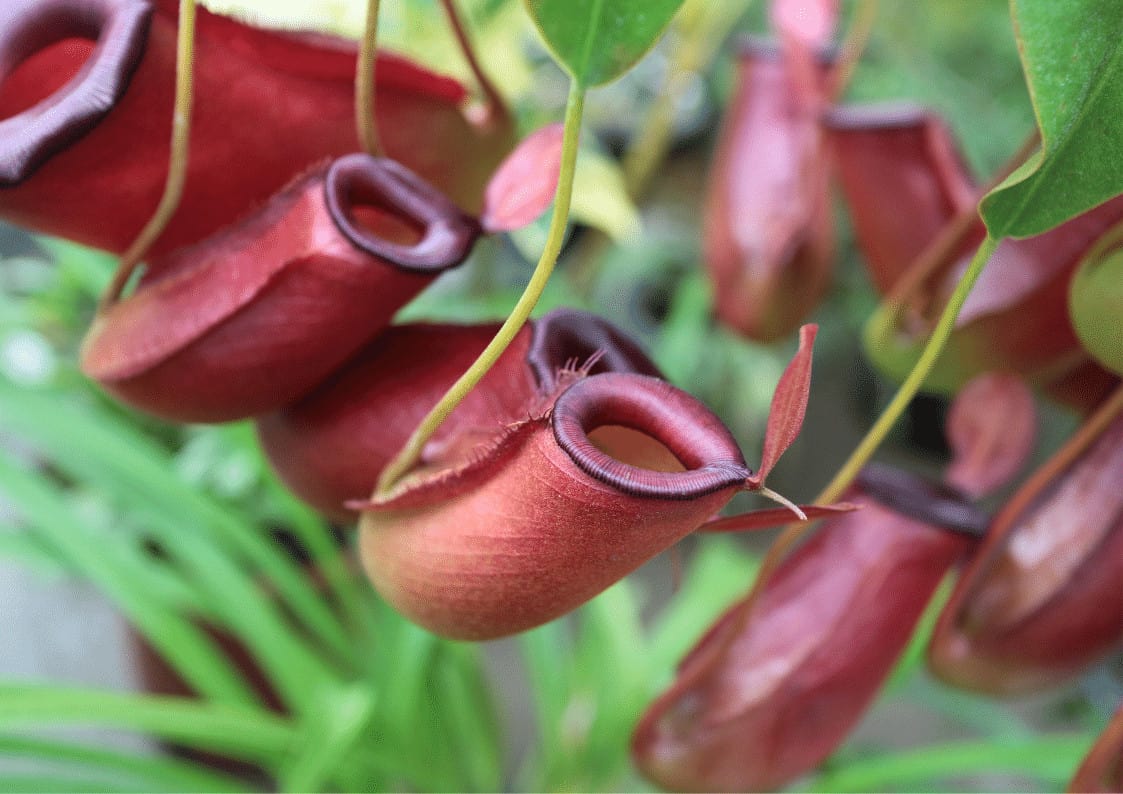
(868, 445)
(411, 452)
(703, 27)
(700, 42)
(177, 162)
(942, 246)
(366, 124)
(954, 233)
(496, 106)
(857, 37)
(1045, 475)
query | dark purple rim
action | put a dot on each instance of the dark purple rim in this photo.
(566, 336)
(697, 438)
(876, 116)
(447, 234)
(934, 503)
(120, 28)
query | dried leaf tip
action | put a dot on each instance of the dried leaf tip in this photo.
(780, 499)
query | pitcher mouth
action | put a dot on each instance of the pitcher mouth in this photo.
(565, 338)
(120, 30)
(446, 234)
(678, 421)
(877, 116)
(933, 503)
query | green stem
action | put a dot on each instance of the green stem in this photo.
(177, 163)
(495, 106)
(857, 37)
(411, 452)
(703, 27)
(365, 123)
(920, 371)
(872, 440)
(702, 35)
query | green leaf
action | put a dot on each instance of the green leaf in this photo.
(1072, 54)
(252, 734)
(194, 655)
(127, 770)
(546, 652)
(56, 783)
(600, 197)
(718, 574)
(330, 731)
(31, 551)
(978, 715)
(596, 41)
(468, 716)
(1049, 758)
(613, 659)
(94, 448)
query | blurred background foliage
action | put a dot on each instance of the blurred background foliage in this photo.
(190, 536)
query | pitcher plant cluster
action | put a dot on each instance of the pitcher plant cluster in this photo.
(277, 198)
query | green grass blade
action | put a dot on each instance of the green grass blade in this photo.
(1050, 759)
(327, 737)
(190, 651)
(101, 448)
(611, 664)
(719, 573)
(408, 655)
(988, 717)
(313, 532)
(144, 772)
(29, 550)
(469, 716)
(252, 734)
(56, 784)
(106, 452)
(545, 652)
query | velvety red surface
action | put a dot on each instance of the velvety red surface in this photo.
(991, 429)
(904, 180)
(255, 316)
(768, 233)
(331, 446)
(1041, 601)
(758, 703)
(267, 107)
(527, 530)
